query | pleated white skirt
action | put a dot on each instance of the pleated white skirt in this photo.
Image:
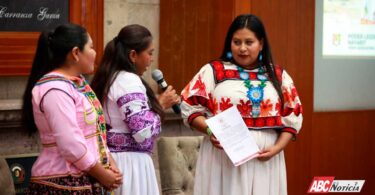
(216, 174)
(138, 174)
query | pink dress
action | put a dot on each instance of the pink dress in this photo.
(67, 122)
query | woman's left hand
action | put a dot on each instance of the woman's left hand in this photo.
(114, 168)
(268, 153)
(280, 144)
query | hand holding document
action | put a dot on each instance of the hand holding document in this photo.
(233, 134)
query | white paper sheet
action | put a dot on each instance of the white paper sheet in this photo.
(232, 133)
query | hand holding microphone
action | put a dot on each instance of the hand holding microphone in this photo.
(169, 97)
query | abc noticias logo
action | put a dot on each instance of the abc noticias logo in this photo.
(328, 184)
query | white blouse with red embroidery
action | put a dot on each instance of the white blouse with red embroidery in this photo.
(219, 86)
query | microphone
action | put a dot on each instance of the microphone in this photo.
(157, 75)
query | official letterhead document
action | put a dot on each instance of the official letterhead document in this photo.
(233, 134)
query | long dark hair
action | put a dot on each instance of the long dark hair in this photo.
(254, 24)
(116, 58)
(52, 49)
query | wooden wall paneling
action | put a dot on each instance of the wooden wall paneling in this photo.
(17, 49)
(184, 39)
(343, 146)
(172, 42)
(90, 14)
(191, 34)
(290, 29)
(203, 33)
(300, 64)
(16, 52)
(241, 7)
(223, 15)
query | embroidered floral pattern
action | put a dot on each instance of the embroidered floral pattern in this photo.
(278, 107)
(212, 104)
(225, 103)
(254, 93)
(83, 185)
(124, 142)
(298, 110)
(231, 74)
(141, 120)
(294, 93)
(244, 108)
(138, 117)
(200, 86)
(130, 97)
(100, 125)
(290, 95)
(221, 74)
(263, 122)
(258, 109)
(292, 103)
(265, 108)
(185, 92)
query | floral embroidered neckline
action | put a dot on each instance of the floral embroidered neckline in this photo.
(254, 93)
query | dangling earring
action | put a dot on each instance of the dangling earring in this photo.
(229, 55)
(260, 56)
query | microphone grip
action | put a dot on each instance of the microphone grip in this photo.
(176, 108)
(163, 85)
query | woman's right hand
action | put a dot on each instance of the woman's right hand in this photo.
(107, 177)
(168, 98)
(111, 180)
(215, 142)
(199, 123)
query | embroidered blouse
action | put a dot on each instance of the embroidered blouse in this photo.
(133, 125)
(219, 86)
(67, 123)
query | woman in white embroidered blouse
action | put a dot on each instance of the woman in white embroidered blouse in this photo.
(246, 77)
(133, 112)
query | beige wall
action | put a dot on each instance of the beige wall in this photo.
(119, 13)
(12, 87)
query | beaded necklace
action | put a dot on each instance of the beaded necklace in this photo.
(254, 93)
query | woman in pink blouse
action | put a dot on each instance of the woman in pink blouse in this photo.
(61, 106)
(246, 77)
